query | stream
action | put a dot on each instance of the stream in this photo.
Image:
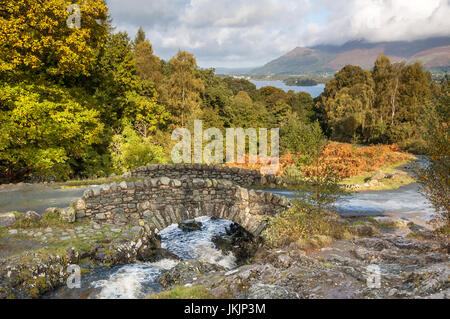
(138, 280)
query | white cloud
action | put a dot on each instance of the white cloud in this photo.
(252, 32)
(387, 20)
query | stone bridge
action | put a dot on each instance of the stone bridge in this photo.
(160, 202)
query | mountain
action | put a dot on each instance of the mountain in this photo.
(434, 53)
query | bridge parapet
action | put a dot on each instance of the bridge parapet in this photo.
(240, 176)
(160, 202)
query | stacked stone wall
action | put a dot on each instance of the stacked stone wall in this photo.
(160, 202)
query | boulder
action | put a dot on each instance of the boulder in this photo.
(154, 255)
(264, 291)
(68, 215)
(190, 225)
(378, 176)
(185, 271)
(7, 219)
(32, 216)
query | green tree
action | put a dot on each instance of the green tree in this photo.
(184, 89)
(237, 85)
(44, 128)
(434, 177)
(302, 104)
(140, 37)
(129, 150)
(347, 102)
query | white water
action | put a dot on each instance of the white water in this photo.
(137, 280)
(403, 202)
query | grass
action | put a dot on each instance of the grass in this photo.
(51, 219)
(400, 178)
(183, 292)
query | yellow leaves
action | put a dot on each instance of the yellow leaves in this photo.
(29, 27)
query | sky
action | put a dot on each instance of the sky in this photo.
(250, 33)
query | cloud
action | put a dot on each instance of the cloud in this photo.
(386, 20)
(251, 32)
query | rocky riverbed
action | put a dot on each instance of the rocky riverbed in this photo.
(407, 261)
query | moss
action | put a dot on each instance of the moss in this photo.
(314, 242)
(416, 235)
(393, 224)
(182, 292)
(444, 230)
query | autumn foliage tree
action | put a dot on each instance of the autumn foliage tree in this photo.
(34, 36)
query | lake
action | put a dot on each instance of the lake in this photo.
(315, 91)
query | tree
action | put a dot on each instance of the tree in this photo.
(129, 150)
(34, 36)
(245, 113)
(143, 110)
(434, 176)
(237, 85)
(184, 89)
(387, 82)
(140, 37)
(44, 129)
(117, 77)
(302, 104)
(347, 101)
(148, 65)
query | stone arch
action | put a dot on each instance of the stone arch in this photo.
(160, 202)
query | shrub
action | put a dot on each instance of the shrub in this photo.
(348, 160)
(129, 150)
(302, 222)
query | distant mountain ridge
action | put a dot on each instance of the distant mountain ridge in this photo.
(434, 53)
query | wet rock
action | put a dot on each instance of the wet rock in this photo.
(186, 270)
(190, 225)
(238, 241)
(264, 291)
(154, 255)
(101, 255)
